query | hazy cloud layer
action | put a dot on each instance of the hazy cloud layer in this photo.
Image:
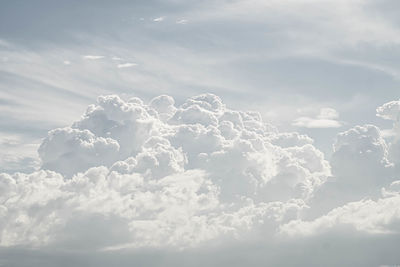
(173, 180)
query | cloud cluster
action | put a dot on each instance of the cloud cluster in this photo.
(363, 192)
(380, 216)
(133, 175)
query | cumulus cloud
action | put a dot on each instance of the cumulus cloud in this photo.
(179, 175)
(391, 111)
(361, 199)
(360, 168)
(132, 175)
(379, 216)
(70, 150)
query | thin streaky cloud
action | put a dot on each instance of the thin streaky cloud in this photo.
(312, 123)
(181, 21)
(126, 65)
(93, 57)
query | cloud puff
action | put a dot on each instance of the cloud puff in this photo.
(362, 197)
(165, 174)
(374, 217)
(69, 150)
(131, 175)
(360, 168)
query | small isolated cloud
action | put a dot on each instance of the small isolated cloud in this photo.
(66, 62)
(181, 21)
(116, 58)
(327, 118)
(93, 57)
(159, 19)
(126, 65)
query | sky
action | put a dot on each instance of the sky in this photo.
(192, 133)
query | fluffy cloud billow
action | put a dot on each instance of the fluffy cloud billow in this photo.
(131, 175)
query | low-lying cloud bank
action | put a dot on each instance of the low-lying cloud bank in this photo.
(131, 176)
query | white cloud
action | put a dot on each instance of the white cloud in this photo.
(307, 122)
(328, 113)
(126, 65)
(159, 19)
(167, 175)
(325, 119)
(131, 175)
(181, 21)
(93, 57)
(68, 150)
(369, 216)
(256, 178)
(117, 58)
(389, 111)
(362, 197)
